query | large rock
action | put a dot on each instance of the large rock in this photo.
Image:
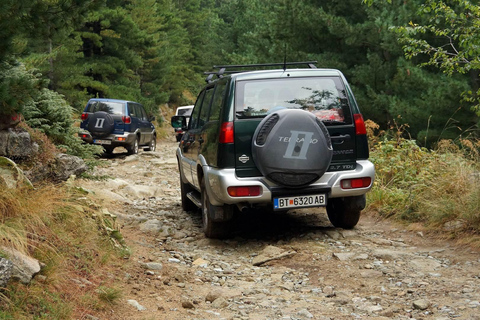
(153, 225)
(17, 144)
(6, 267)
(142, 191)
(62, 168)
(66, 165)
(24, 267)
(11, 176)
(20, 145)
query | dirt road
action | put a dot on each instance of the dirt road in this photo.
(276, 266)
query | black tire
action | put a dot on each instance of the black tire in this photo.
(185, 188)
(100, 124)
(302, 154)
(345, 212)
(152, 146)
(214, 229)
(108, 150)
(133, 148)
(178, 137)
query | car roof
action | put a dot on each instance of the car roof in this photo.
(110, 100)
(266, 74)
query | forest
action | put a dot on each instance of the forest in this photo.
(410, 63)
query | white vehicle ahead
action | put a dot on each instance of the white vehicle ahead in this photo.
(182, 111)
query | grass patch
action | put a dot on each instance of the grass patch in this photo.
(109, 295)
(437, 188)
(80, 247)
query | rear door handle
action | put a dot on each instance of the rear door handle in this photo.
(340, 138)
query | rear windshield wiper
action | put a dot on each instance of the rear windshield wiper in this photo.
(241, 115)
(331, 122)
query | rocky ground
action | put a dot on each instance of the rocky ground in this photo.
(275, 266)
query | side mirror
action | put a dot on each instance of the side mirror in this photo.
(151, 118)
(179, 122)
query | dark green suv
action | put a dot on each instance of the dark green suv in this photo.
(279, 139)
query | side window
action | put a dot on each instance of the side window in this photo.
(138, 112)
(204, 112)
(142, 112)
(217, 101)
(132, 110)
(196, 111)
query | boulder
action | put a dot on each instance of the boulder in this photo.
(66, 165)
(6, 267)
(20, 145)
(17, 144)
(142, 191)
(11, 176)
(24, 267)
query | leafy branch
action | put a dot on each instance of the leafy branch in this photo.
(450, 38)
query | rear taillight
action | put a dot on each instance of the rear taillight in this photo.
(359, 124)
(248, 191)
(126, 119)
(226, 132)
(356, 183)
(84, 135)
(84, 116)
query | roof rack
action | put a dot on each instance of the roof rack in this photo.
(222, 69)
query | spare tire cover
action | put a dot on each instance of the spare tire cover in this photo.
(292, 147)
(100, 124)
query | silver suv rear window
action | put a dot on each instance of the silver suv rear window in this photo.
(106, 106)
(325, 97)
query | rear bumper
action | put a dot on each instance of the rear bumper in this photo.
(113, 140)
(220, 180)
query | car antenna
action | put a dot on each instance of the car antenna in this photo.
(285, 58)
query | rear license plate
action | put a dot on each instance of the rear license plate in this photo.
(315, 200)
(98, 141)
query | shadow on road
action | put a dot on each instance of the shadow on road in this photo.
(265, 225)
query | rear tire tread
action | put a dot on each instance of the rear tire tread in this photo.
(133, 148)
(152, 146)
(213, 229)
(345, 212)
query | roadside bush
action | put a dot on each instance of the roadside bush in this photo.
(52, 115)
(438, 188)
(23, 92)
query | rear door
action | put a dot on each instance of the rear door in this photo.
(146, 127)
(324, 96)
(115, 108)
(134, 113)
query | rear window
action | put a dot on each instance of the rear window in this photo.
(325, 97)
(106, 106)
(184, 111)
